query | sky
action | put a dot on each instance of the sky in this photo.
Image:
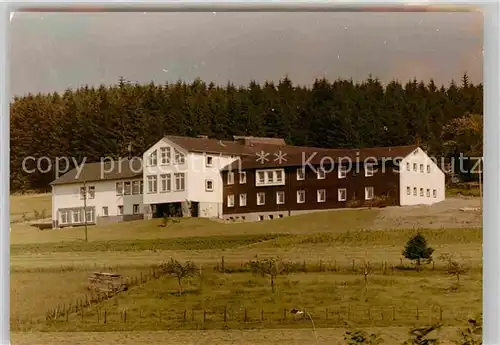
(55, 51)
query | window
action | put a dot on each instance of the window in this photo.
(273, 177)
(152, 184)
(230, 200)
(261, 198)
(127, 188)
(301, 196)
(179, 157)
(92, 192)
(321, 195)
(119, 188)
(120, 210)
(408, 166)
(135, 187)
(368, 193)
(428, 168)
(243, 177)
(342, 194)
(415, 191)
(209, 161)
(152, 158)
(165, 183)
(342, 172)
(280, 198)
(82, 193)
(165, 155)
(230, 177)
(64, 216)
(243, 199)
(408, 191)
(434, 193)
(321, 174)
(428, 194)
(301, 174)
(89, 215)
(369, 170)
(179, 182)
(421, 168)
(136, 209)
(262, 177)
(105, 211)
(414, 166)
(421, 192)
(77, 216)
(141, 187)
(209, 185)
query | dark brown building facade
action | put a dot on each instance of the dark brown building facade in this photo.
(270, 192)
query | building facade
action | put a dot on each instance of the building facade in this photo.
(247, 178)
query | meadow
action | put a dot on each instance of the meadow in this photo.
(226, 301)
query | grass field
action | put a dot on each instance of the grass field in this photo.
(50, 268)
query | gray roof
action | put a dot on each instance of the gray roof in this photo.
(103, 171)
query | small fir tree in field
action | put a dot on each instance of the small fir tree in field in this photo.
(417, 249)
(180, 271)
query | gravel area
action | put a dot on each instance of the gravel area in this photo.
(456, 212)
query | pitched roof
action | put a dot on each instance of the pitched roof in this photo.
(315, 156)
(102, 171)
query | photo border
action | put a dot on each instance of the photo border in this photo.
(491, 82)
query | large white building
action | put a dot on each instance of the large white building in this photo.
(184, 176)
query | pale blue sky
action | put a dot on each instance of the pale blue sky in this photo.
(51, 52)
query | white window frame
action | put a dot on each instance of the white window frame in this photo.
(243, 177)
(180, 182)
(415, 167)
(76, 212)
(89, 212)
(408, 190)
(342, 172)
(165, 181)
(319, 193)
(230, 200)
(321, 173)
(369, 169)
(428, 168)
(421, 192)
(165, 155)
(428, 193)
(179, 157)
(434, 193)
(278, 201)
(408, 166)
(243, 199)
(209, 161)
(301, 174)
(153, 158)
(125, 191)
(367, 193)
(272, 177)
(119, 188)
(415, 191)
(207, 182)
(421, 168)
(66, 214)
(136, 208)
(263, 195)
(152, 184)
(136, 187)
(120, 210)
(339, 193)
(105, 211)
(230, 177)
(141, 187)
(82, 193)
(299, 199)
